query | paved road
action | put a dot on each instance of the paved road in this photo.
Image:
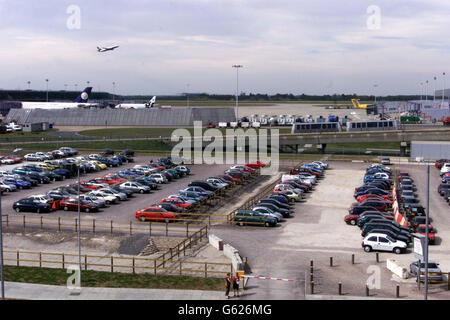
(26, 291)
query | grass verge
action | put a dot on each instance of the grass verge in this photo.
(58, 277)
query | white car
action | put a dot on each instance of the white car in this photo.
(104, 196)
(288, 186)
(217, 183)
(159, 178)
(445, 168)
(381, 175)
(321, 164)
(42, 198)
(7, 161)
(382, 242)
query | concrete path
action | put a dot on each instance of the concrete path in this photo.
(26, 291)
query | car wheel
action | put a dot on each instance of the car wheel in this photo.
(108, 202)
(17, 209)
(267, 224)
(8, 190)
(38, 210)
(241, 224)
(367, 248)
(142, 218)
(87, 210)
(397, 250)
(66, 209)
(141, 191)
(166, 220)
(353, 222)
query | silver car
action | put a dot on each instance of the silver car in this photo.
(268, 212)
(91, 198)
(120, 195)
(434, 272)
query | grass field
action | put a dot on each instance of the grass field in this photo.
(18, 135)
(51, 276)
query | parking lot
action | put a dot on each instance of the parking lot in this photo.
(125, 210)
(317, 232)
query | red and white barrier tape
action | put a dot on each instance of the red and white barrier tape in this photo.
(267, 278)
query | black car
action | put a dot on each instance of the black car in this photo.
(276, 202)
(442, 189)
(360, 209)
(386, 225)
(205, 185)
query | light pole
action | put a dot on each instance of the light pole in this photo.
(1, 253)
(443, 87)
(46, 80)
(426, 90)
(237, 66)
(88, 82)
(76, 86)
(29, 83)
(434, 90)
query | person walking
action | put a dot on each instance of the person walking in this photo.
(227, 286)
(236, 282)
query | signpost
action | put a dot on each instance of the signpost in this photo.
(419, 253)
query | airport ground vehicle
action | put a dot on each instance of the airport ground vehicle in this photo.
(246, 217)
(31, 205)
(434, 272)
(155, 213)
(382, 242)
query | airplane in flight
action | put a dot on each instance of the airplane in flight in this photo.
(104, 49)
(147, 105)
(80, 102)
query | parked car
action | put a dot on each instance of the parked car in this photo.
(136, 187)
(72, 205)
(434, 272)
(246, 217)
(156, 214)
(431, 232)
(31, 205)
(382, 242)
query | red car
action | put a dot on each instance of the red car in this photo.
(229, 178)
(373, 196)
(155, 214)
(104, 180)
(72, 205)
(116, 178)
(177, 202)
(431, 232)
(256, 165)
(152, 165)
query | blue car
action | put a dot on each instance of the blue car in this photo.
(370, 178)
(126, 174)
(19, 183)
(30, 205)
(279, 198)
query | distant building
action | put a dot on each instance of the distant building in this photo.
(36, 127)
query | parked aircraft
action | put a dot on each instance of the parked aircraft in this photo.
(80, 102)
(147, 105)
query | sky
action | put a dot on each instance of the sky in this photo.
(375, 47)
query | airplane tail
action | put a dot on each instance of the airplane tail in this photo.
(84, 96)
(151, 103)
(356, 104)
(99, 49)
